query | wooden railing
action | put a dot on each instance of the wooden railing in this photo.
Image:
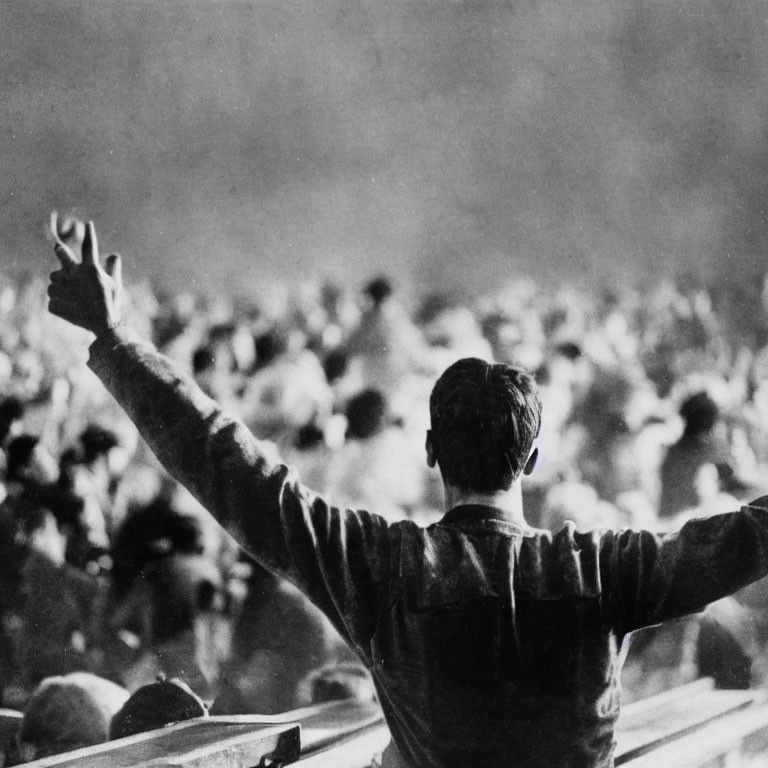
(688, 727)
(694, 726)
(240, 741)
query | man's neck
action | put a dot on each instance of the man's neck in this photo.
(510, 501)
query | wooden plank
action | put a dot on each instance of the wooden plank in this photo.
(639, 707)
(724, 740)
(204, 742)
(237, 741)
(649, 727)
(332, 723)
(355, 751)
(322, 724)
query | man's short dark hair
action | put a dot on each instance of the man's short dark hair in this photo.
(485, 418)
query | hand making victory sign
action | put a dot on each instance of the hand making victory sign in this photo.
(82, 291)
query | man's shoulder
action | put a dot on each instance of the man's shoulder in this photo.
(568, 562)
(569, 543)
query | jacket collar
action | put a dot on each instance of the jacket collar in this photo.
(482, 516)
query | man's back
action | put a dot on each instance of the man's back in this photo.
(498, 646)
(501, 644)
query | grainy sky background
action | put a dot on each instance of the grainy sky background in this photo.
(455, 144)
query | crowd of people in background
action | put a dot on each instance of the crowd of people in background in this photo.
(655, 410)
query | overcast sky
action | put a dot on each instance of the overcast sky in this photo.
(450, 143)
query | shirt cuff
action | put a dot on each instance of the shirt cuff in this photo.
(110, 340)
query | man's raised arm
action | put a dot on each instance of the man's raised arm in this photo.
(204, 449)
(238, 478)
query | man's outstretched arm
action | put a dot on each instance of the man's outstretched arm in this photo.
(238, 478)
(653, 577)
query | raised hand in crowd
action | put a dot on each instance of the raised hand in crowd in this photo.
(84, 292)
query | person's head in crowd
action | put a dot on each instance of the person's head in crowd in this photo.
(335, 365)
(503, 334)
(377, 291)
(700, 414)
(568, 350)
(367, 414)
(220, 345)
(204, 369)
(181, 533)
(151, 532)
(103, 445)
(203, 361)
(484, 420)
(155, 706)
(563, 362)
(11, 418)
(221, 333)
(68, 712)
(308, 437)
(68, 461)
(342, 681)
(29, 461)
(269, 346)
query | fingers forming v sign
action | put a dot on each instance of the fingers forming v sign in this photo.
(82, 291)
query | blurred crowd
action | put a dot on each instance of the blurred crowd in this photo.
(655, 411)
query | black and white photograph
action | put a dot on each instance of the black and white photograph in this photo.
(384, 384)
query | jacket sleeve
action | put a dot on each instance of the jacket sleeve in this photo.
(339, 558)
(651, 577)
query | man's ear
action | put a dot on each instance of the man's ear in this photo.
(431, 460)
(531, 463)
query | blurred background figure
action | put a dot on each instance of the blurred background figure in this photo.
(378, 466)
(156, 705)
(386, 345)
(66, 713)
(279, 639)
(336, 682)
(701, 443)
